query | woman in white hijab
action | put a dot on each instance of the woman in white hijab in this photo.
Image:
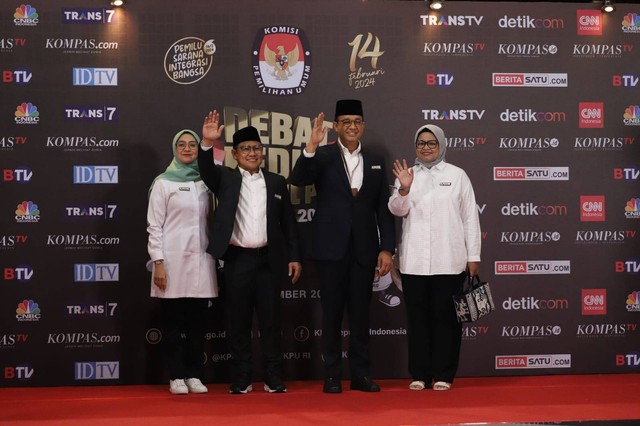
(440, 243)
(183, 275)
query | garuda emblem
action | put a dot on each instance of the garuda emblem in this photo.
(281, 61)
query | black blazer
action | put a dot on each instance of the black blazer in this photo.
(225, 184)
(339, 215)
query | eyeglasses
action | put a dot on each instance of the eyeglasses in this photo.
(181, 146)
(246, 149)
(347, 123)
(430, 144)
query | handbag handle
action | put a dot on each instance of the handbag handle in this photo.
(471, 282)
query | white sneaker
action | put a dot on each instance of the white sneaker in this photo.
(177, 387)
(196, 386)
(389, 300)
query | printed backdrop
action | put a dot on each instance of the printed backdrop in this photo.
(540, 105)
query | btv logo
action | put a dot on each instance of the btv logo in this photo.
(94, 272)
(628, 173)
(629, 266)
(592, 208)
(95, 174)
(625, 80)
(23, 273)
(630, 360)
(95, 76)
(104, 370)
(22, 372)
(441, 79)
(22, 76)
(594, 301)
(20, 175)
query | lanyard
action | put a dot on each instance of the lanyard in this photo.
(350, 174)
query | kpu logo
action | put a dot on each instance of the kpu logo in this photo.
(87, 15)
(25, 16)
(27, 212)
(189, 59)
(589, 22)
(591, 115)
(95, 76)
(592, 208)
(95, 174)
(27, 113)
(594, 301)
(282, 60)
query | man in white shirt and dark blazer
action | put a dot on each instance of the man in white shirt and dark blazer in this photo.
(254, 232)
(353, 237)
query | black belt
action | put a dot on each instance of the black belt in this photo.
(259, 251)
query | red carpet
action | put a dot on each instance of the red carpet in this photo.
(471, 400)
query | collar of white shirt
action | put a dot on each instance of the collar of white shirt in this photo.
(247, 174)
(345, 151)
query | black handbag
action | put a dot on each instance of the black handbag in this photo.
(474, 301)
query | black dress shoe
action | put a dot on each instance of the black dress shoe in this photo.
(332, 385)
(364, 384)
(241, 385)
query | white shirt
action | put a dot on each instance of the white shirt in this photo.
(250, 226)
(353, 164)
(440, 223)
(177, 227)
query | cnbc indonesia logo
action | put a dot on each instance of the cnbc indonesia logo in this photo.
(632, 209)
(28, 310)
(27, 212)
(632, 115)
(631, 23)
(633, 301)
(25, 16)
(27, 113)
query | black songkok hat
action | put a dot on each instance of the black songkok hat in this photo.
(348, 107)
(247, 134)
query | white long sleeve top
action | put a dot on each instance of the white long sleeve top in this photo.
(177, 218)
(440, 223)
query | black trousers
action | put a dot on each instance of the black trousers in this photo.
(251, 284)
(433, 332)
(186, 316)
(345, 284)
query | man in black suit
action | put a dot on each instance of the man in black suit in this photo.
(254, 232)
(353, 237)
